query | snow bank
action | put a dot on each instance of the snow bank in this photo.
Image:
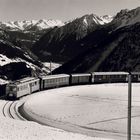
(19, 130)
(22, 130)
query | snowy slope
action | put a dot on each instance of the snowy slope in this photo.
(5, 60)
(13, 58)
(99, 20)
(91, 109)
(21, 130)
(26, 25)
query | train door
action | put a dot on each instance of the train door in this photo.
(93, 78)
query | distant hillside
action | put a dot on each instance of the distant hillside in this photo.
(16, 63)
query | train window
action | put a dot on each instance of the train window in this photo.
(14, 89)
(61, 79)
(32, 84)
(104, 76)
(97, 76)
(50, 80)
(108, 76)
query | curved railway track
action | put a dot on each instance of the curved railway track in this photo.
(10, 110)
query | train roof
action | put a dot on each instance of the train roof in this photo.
(54, 76)
(81, 74)
(110, 73)
(24, 80)
(135, 72)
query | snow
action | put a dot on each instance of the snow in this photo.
(2, 82)
(23, 130)
(106, 18)
(102, 19)
(53, 65)
(88, 109)
(22, 25)
(5, 60)
(49, 23)
(85, 21)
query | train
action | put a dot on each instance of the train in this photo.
(29, 85)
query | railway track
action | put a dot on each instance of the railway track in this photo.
(10, 110)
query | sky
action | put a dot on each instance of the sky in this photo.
(12, 10)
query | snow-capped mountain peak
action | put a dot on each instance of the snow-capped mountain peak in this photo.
(99, 20)
(48, 23)
(26, 25)
(106, 18)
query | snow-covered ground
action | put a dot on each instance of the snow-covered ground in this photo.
(52, 65)
(96, 110)
(20, 130)
(11, 129)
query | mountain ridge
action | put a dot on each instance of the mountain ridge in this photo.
(26, 25)
(117, 50)
(62, 43)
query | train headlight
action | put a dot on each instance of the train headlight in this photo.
(11, 95)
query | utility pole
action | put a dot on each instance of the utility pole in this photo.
(129, 107)
(51, 67)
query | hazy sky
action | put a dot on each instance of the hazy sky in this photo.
(60, 9)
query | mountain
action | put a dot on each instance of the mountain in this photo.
(30, 25)
(25, 33)
(117, 50)
(16, 63)
(61, 44)
(126, 17)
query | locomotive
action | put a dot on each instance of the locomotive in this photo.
(30, 85)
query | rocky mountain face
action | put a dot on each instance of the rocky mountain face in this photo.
(117, 47)
(64, 43)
